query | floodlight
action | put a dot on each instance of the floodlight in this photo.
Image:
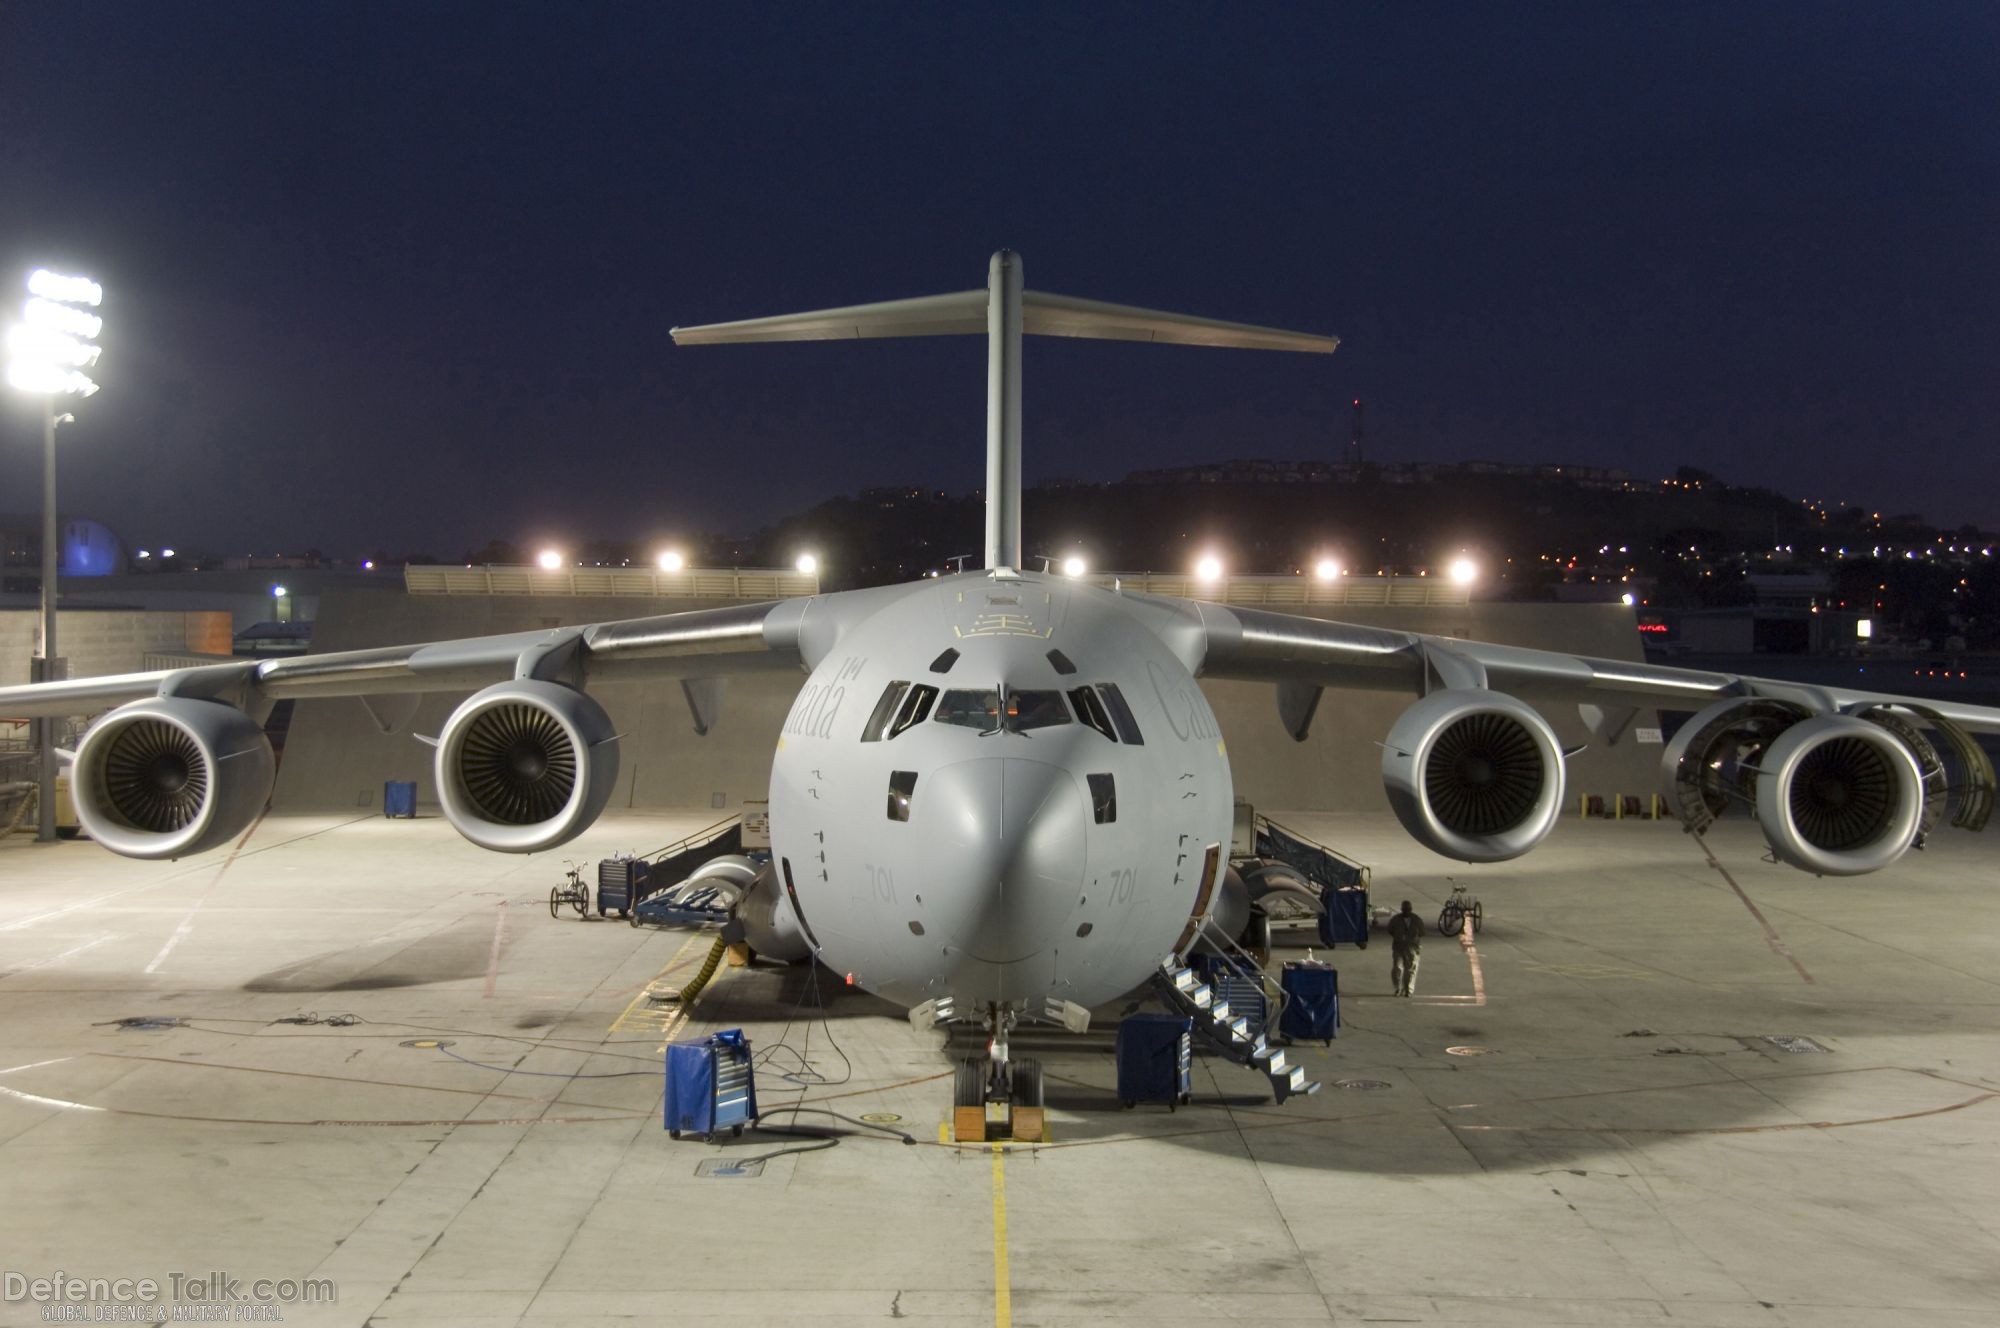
(278, 592)
(1463, 571)
(1209, 568)
(368, 566)
(1326, 569)
(807, 564)
(550, 560)
(166, 553)
(50, 347)
(70, 290)
(1864, 628)
(1074, 566)
(144, 553)
(672, 561)
(49, 315)
(42, 379)
(1628, 599)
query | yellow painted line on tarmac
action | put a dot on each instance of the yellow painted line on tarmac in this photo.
(648, 1015)
(1003, 1294)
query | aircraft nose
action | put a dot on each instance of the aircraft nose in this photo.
(1011, 832)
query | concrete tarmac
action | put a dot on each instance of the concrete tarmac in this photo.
(361, 1050)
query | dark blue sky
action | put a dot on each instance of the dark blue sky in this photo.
(400, 275)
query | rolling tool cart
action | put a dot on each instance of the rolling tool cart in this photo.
(710, 1086)
(1312, 1001)
(1155, 1059)
(621, 884)
(1345, 918)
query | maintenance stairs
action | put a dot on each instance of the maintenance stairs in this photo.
(1237, 1036)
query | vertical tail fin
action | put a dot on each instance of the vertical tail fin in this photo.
(1004, 311)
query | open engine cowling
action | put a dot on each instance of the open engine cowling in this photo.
(1474, 774)
(526, 765)
(1839, 796)
(171, 776)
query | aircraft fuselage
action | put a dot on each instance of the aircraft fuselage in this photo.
(998, 789)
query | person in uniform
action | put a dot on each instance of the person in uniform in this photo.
(1406, 938)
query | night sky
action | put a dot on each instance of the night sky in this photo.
(400, 276)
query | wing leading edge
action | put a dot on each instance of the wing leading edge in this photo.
(1261, 646)
(698, 643)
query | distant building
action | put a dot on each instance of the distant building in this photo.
(85, 548)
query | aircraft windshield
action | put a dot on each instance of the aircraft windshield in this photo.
(983, 710)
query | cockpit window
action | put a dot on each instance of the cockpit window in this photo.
(969, 709)
(916, 708)
(982, 710)
(900, 707)
(885, 709)
(1121, 714)
(1091, 711)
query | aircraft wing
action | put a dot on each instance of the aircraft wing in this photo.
(700, 643)
(1311, 653)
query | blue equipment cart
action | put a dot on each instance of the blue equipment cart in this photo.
(710, 1086)
(1155, 1059)
(399, 798)
(1312, 1000)
(621, 884)
(1345, 918)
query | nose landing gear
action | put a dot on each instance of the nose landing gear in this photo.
(995, 1098)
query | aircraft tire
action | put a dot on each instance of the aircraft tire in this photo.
(1027, 1082)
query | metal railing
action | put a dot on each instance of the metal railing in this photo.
(744, 583)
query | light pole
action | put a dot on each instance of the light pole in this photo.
(46, 355)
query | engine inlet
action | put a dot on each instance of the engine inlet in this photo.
(519, 766)
(1484, 775)
(154, 776)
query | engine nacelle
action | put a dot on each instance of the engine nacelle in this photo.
(1474, 774)
(171, 776)
(1839, 796)
(526, 765)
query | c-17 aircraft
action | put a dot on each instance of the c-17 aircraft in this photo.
(1000, 794)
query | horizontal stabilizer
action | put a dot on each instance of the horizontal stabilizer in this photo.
(963, 313)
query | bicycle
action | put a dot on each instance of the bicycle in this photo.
(1461, 905)
(573, 891)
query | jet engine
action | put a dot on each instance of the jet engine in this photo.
(1474, 774)
(526, 765)
(171, 776)
(1839, 796)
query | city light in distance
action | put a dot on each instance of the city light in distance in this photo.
(278, 592)
(549, 560)
(672, 561)
(807, 564)
(166, 553)
(1208, 568)
(1463, 571)
(1326, 569)
(145, 553)
(368, 566)
(1074, 566)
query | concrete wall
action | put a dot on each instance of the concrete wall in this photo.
(335, 757)
(109, 641)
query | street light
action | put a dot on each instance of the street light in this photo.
(1464, 571)
(1326, 569)
(807, 564)
(46, 355)
(549, 560)
(1209, 569)
(672, 561)
(1074, 566)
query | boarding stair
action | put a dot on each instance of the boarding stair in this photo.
(694, 900)
(1229, 1032)
(1291, 876)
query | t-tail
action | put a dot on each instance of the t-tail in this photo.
(1004, 311)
